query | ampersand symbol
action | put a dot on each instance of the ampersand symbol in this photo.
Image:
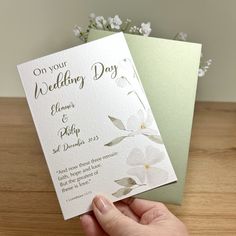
(64, 118)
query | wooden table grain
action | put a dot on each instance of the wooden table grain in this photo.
(28, 203)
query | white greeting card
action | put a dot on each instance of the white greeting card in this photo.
(94, 123)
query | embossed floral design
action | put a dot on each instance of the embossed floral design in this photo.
(144, 165)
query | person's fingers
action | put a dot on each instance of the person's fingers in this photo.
(141, 206)
(112, 220)
(155, 215)
(125, 209)
(90, 226)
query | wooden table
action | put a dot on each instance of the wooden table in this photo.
(28, 203)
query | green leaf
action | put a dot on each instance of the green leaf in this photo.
(115, 141)
(126, 182)
(118, 123)
(121, 192)
(155, 138)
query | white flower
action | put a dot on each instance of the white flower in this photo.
(77, 30)
(208, 62)
(100, 22)
(134, 29)
(201, 72)
(143, 166)
(122, 82)
(145, 29)
(92, 16)
(141, 123)
(182, 36)
(115, 22)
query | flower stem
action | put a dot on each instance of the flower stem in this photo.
(137, 97)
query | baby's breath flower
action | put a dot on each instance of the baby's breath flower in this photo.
(135, 29)
(208, 62)
(115, 22)
(204, 68)
(201, 72)
(182, 36)
(92, 16)
(145, 29)
(77, 31)
(100, 22)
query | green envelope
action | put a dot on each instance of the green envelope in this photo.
(168, 70)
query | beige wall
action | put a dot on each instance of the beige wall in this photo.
(33, 28)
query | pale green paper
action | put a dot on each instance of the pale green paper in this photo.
(168, 70)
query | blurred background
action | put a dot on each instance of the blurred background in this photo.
(34, 28)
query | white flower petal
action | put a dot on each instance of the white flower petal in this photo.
(117, 20)
(133, 123)
(136, 157)
(141, 116)
(149, 119)
(139, 172)
(122, 82)
(133, 133)
(156, 176)
(153, 155)
(148, 131)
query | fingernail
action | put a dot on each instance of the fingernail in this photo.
(102, 204)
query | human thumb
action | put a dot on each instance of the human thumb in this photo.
(111, 219)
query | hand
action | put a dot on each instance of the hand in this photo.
(131, 217)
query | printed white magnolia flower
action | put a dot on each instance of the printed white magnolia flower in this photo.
(115, 22)
(122, 82)
(100, 22)
(145, 29)
(143, 166)
(141, 123)
(77, 30)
